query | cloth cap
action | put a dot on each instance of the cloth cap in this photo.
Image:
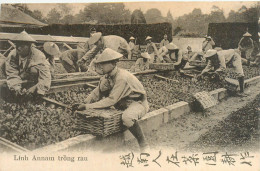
(24, 37)
(148, 38)
(51, 48)
(94, 38)
(247, 34)
(145, 55)
(108, 55)
(210, 52)
(131, 38)
(171, 46)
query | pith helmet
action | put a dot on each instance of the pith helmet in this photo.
(131, 38)
(171, 46)
(148, 38)
(108, 55)
(24, 37)
(145, 55)
(210, 52)
(94, 38)
(247, 34)
(51, 48)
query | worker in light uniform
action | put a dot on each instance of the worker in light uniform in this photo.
(142, 63)
(163, 55)
(246, 46)
(97, 43)
(121, 89)
(151, 49)
(132, 44)
(207, 44)
(164, 41)
(51, 50)
(69, 59)
(219, 60)
(26, 62)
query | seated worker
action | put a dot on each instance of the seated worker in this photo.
(151, 49)
(246, 46)
(142, 63)
(51, 50)
(26, 62)
(164, 41)
(219, 60)
(69, 59)
(121, 89)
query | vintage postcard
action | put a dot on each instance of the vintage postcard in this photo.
(140, 85)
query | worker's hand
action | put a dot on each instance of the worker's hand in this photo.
(31, 90)
(78, 107)
(81, 61)
(18, 92)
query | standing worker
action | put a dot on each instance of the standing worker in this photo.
(26, 62)
(219, 60)
(246, 46)
(208, 44)
(151, 49)
(51, 50)
(164, 41)
(123, 91)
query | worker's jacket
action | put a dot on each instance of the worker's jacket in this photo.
(225, 58)
(34, 67)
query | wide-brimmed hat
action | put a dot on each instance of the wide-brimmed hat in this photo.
(24, 37)
(94, 38)
(208, 37)
(148, 38)
(93, 29)
(108, 55)
(131, 38)
(51, 48)
(171, 46)
(145, 55)
(247, 34)
(210, 53)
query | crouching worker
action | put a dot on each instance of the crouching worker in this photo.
(219, 60)
(69, 59)
(27, 63)
(51, 50)
(142, 63)
(121, 89)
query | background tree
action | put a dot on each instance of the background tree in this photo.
(154, 15)
(137, 17)
(106, 13)
(54, 16)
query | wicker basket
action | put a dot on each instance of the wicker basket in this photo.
(198, 64)
(99, 122)
(162, 66)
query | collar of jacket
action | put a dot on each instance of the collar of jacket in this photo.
(113, 73)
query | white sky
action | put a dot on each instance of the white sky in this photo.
(176, 8)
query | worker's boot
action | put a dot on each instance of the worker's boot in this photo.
(138, 134)
(241, 86)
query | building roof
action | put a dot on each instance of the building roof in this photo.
(13, 17)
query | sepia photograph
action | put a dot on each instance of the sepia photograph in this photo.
(130, 85)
